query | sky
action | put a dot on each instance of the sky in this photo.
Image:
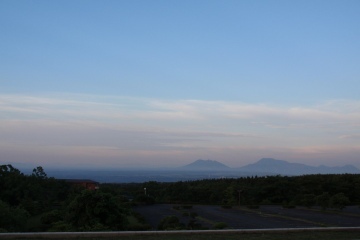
(119, 84)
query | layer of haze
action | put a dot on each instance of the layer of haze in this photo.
(163, 83)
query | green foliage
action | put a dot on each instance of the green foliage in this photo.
(339, 201)
(95, 210)
(51, 217)
(12, 219)
(34, 224)
(281, 190)
(137, 223)
(12, 185)
(323, 200)
(39, 172)
(307, 200)
(35, 193)
(194, 225)
(39, 203)
(220, 225)
(230, 195)
(61, 226)
(170, 223)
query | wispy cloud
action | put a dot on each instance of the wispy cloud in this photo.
(351, 136)
(113, 126)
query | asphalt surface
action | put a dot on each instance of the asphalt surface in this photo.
(153, 214)
(326, 218)
(263, 218)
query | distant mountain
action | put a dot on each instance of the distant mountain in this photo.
(274, 166)
(205, 165)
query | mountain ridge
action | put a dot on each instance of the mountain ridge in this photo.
(282, 167)
(271, 166)
(205, 165)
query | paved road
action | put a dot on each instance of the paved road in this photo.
(242, 219)
(339, 219)
(264, 217)
(153, 214)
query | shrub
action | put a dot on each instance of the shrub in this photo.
(12, 219)
(323, 200)
(140, 218)
(61, 226)
(170, 223)
(339, 201)
(220, 225)
(94, 210)
(308, 200)
(51, 217)
(194, 225)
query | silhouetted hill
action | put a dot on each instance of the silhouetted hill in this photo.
(274, 166)
(205, 165)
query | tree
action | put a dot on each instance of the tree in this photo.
(339, 201)
(230, 196)
(308, 200)
(95, 210)
(323, 200)
(39, 173)
(12, 184)
(12, 219)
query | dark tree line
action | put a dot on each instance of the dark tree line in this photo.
(38, 203)
(333, 190)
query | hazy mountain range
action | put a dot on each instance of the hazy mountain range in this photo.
(199, 169)
(270, 166)
(205, 165)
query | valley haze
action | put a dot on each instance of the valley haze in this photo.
(197, 170)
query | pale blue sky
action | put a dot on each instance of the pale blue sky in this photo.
(163, 83)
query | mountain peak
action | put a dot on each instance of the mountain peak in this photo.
(206, 165)
(275, 166)
(271, 161)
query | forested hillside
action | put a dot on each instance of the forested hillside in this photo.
(309, 190)
(38, 203)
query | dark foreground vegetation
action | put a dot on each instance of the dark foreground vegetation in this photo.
(36, 203)
(333, 190)
(284, 235)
